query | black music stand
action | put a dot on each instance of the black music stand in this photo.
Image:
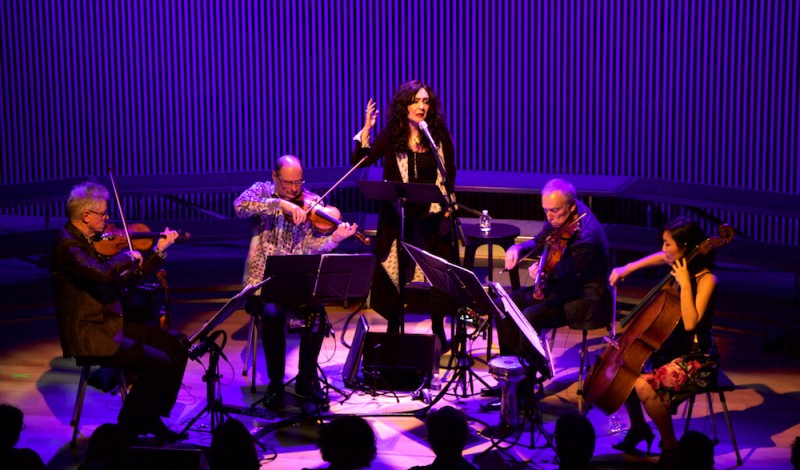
(313, 279)
(466, 291)
(543, 365)
(204, 341)
(401, 193)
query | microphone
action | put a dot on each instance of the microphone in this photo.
(423, 126)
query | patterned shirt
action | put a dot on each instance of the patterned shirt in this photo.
(274, 233)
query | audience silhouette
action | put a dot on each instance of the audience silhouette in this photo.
(11, 426)
(575, 440)
(795, 458)
(107, 449)
(347, 443)
(233, 447)
(695, 452)
(447, 434)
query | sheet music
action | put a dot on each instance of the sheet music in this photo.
(343, 275)
(456, 281)
(521, 322)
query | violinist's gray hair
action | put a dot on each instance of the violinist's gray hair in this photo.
(563, 186)
(83, 197)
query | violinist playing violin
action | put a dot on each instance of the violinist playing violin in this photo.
(573, 286)
(90, 322)
(283, 228)
(688, 359)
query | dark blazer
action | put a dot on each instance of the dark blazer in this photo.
(87, 287)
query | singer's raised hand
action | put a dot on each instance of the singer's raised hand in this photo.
(371, 115)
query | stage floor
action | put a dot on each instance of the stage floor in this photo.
(34, 377)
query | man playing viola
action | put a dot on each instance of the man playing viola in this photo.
(282, 228)
(573, 289)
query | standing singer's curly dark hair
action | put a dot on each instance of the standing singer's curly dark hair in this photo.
(394, 137)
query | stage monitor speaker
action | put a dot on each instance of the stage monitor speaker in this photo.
(353, 361)
(153, 458)
(402, 361)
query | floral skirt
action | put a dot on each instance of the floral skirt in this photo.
(683, 377)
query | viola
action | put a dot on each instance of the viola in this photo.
(113, 240)
(324, 219)
(612, 378)
(554, 246)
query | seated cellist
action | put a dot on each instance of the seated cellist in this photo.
(687, 360)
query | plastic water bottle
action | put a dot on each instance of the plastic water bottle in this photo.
(614, 423)
(436, 383)
(485, 222)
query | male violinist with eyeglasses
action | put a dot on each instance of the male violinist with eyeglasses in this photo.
(88, 287)
(282, 228)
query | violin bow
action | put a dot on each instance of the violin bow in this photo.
(321, 198)
(119, 206)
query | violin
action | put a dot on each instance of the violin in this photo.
(113, 240)
(324, 219)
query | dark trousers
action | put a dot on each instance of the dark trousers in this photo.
(541, 314)
(273, 327)
(158, 360)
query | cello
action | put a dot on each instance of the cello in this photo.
(652, 321)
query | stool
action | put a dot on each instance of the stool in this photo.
(724, 384)
(606, 319)
(502, 235)
(509, 372)
(86, 367)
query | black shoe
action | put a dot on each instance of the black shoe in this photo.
(165, 435)
(491, 391)
(311, 391)
(668, 459)
(632, 439)
(273, 397)
(491, 406)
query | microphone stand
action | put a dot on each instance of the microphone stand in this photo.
(456, 230)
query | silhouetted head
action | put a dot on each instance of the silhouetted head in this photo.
(447, 432)
(10, 425)
(233, 447)
(347, 442)
(695, 452)
(575, 440)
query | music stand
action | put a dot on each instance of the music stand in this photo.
(401, 193)
(466, 291)
(306, 279)
(543, 365)
(204, 341)
(315, 278)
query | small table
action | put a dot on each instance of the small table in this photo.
(500, 234)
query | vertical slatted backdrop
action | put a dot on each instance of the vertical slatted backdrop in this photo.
(704, 92)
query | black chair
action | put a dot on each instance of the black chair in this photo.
(606, 319)
(722, 385)
(86, 368)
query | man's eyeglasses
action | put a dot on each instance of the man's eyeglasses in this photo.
(287, 184)
(103, 214)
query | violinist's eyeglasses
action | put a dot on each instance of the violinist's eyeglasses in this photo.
(287, 184)
(103, 214)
